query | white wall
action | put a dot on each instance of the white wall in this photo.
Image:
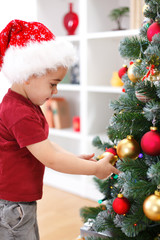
(14, 9)
(17, 9)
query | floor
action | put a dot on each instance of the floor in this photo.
(58, 214)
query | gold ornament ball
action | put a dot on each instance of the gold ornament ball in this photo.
(128, 147)
(134, 77)
(151, 206)
(112, 161)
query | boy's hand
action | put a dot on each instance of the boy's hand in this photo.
(105, 168)
(53, 157)
(88, 157)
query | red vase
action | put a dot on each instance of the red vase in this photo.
(71, 20)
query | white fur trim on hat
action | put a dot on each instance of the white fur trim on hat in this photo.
(20, 63)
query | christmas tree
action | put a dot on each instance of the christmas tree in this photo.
(130, 208)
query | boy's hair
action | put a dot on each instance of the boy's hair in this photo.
(28, 48)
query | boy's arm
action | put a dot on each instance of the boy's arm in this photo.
(66, 162)
(83, 156)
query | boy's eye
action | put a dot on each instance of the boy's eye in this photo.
(53, 85)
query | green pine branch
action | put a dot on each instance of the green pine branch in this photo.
(90, 212)
(152, 111)
(135, 223)
(104, 221)
(146, 89)
(127, 123)
(154, 173)
(97, 142)
(138, 167)
(135, 189)
(153, 8)
(104, 186)
(132, 48)
(127, 102)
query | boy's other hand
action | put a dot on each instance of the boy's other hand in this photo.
(88, 157)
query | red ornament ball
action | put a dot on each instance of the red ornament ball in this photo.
(122, 71)
(153, 29)
(121, 205)
(150, 142)
(111, 150)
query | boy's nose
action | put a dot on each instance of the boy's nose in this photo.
(54, 91)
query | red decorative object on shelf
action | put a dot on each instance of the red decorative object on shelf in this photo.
(71, 20)
(76, 123)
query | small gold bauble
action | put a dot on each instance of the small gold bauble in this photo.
(134, 77)
(151, 206)
(128, 148)
(112, 161)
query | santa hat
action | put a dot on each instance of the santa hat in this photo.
(28, 48)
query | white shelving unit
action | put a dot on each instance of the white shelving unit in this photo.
(99, 57)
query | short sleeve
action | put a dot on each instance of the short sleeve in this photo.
(30, 130)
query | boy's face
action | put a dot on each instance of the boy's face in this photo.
(39, 89)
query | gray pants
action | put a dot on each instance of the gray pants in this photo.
(18, 221)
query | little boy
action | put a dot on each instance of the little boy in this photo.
(34, 62)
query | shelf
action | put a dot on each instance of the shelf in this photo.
(67, 133)
(69, 87)
(104, 89)
(110, 34)
(98, 35)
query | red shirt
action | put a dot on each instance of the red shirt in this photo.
(21, 123)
